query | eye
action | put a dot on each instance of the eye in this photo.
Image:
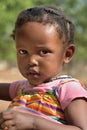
(43, 52)
(22, 52)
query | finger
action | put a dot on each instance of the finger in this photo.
(12, 128)
(8, 115)
(9, 128)
(7, 123)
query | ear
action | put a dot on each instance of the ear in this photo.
(69, 52)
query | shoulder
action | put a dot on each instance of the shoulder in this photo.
(70, 89)
(71, 83)
(68, 81)
(16, 85)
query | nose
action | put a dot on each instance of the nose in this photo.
(32, 61)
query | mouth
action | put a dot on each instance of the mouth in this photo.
(33, 74)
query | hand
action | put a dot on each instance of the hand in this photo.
(15, 120)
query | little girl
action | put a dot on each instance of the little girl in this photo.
(44, 39)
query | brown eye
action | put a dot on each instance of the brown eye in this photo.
(43, 52)
(22, 52)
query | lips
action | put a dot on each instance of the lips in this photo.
(33, 74)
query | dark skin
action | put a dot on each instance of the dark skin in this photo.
(34, 50)
(4, 93)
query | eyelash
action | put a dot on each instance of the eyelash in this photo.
(41, 52)
(22, 52)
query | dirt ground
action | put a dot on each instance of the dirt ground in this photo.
(10, 75)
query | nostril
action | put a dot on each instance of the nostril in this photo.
(31, 64)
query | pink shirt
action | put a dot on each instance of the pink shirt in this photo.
(68, 89)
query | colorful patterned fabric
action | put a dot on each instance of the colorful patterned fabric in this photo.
(49, 98)
(43, 102)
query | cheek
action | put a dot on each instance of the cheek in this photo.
(49, 64)
(20, 63)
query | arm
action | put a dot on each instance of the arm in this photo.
(76, 115)
(4, 91)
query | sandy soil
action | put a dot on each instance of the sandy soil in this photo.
(10, 75)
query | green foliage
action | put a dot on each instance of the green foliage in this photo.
(9, 10)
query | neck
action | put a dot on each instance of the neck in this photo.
(52, 79)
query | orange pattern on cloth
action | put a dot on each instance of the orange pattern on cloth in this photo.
(44, 102)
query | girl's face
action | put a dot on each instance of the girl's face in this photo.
(40, 52)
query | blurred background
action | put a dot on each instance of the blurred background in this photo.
(9, 9)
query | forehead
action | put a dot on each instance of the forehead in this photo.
(36, 27)
(35, 32)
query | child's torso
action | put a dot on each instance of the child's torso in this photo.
(46, 102)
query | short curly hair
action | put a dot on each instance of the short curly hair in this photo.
(47, 15)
